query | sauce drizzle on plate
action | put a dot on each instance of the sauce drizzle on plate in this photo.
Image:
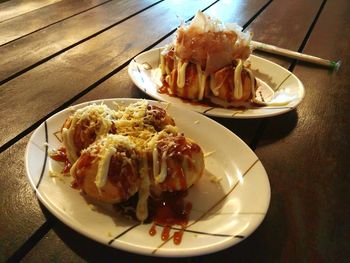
(169, 210)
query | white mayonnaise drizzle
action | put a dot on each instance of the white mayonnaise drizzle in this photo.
(155, 162)
(238, 91)
(103, 167)
(202, 78)
(142, 204)
(162, 65)
(181, 73)
(104, 149)
(67, 137)
(163, 169)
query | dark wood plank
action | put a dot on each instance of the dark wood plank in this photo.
(239, 12)
(287, 33)
(39, 45)
(19, 209)
(36, 20)
(27, 23)
(46, 251)
(308, 166)
(63, 77)
(65, 243)
(16, 8)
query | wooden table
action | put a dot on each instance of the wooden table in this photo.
(55, 53)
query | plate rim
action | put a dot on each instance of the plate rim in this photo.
(282, 110)
(125, 246)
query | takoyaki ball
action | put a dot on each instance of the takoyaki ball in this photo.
(108, 169)
(187, 84)
(178, 162)
(223, 85)
(157, 117)
(84, 126)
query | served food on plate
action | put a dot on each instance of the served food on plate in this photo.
(91, 122)
(208, 62)
(133, 152)
(84, 126)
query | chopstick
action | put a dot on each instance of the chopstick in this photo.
(334, 65)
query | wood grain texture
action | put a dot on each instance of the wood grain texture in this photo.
(305, 152)
(49, 41)
(46, 250)
(63, 77)
(16, 8)
(73, 247)
(19, 210)
(33, 21)
(285, 27)
(309, 171)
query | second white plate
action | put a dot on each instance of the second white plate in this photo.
(285, 84)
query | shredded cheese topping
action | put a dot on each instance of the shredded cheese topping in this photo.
(181, 73)
(95, 116)
(133, 132)
(104, 149)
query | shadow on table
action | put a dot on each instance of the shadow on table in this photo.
(264, 130)
(91, 251)
(264, 245)
(278, 127)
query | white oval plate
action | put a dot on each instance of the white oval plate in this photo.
(224, 212)
(286, 85)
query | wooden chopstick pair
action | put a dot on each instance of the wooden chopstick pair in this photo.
(334, 65)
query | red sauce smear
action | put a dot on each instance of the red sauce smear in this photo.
(153, 230)
(60, 155)
(121, 176)
(167, 211)
(83, 163)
